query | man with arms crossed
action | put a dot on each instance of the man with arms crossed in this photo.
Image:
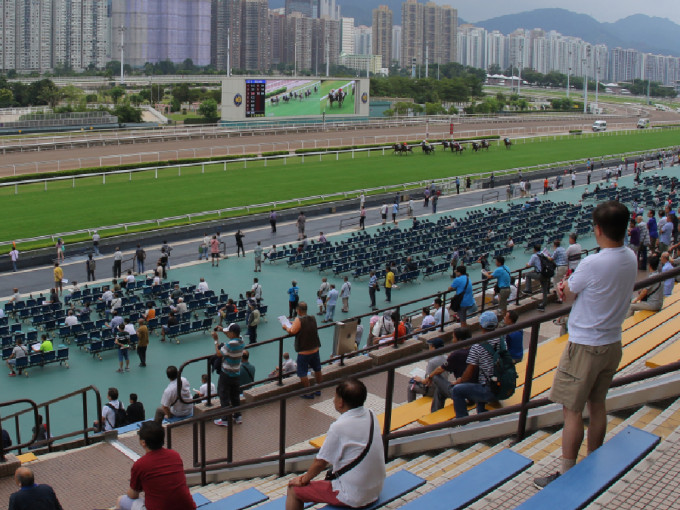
(159, 474)
(347, 439)
(602, 286)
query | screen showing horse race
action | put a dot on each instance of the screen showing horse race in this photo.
(293, 98)
(264, 97)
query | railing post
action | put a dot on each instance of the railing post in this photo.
(2, 445)
(85, 424)
(519, 287)
(441, 326)
(204, 480)
(208, 401)
(396, 330)
(528, 379)
(282, 437)
(194, 441)
(280, 374)
(485, 284)
(230, 438)
(168, 438)
(49, 427)
(387, 424)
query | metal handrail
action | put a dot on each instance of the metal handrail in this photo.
(85, 431)
(202, 465)
(477, 287)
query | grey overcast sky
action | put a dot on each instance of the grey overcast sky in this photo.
(601, 10)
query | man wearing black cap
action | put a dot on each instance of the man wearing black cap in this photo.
(417, 385)
(228, 387)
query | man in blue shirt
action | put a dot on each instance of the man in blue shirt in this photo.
(667, 266)
(231, 355)
(462, 285)
(559, 257)
(535, 263)
(666, 234)
(331, 301)
(372, 287)
(293, 298)
(502, 276)
(514, 341)
(31, 495)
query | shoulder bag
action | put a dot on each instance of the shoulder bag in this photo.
(458, 298)
(334, 475)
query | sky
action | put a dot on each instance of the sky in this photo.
(601, 10)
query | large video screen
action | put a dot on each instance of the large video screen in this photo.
(299, 97)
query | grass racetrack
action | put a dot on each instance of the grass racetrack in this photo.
(140, 196)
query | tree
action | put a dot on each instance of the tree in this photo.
(181, 93)
(434, 109)
(116, 93)
(71, 93)
(208, 109)
(494, 69)
(6, 98)
(127, 114)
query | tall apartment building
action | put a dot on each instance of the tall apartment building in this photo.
(411, 33)
(325, 44)
(298, 46)
(277, 36)
(472, 47)
(382, 33)
(396, 44)
(81, 33)
(8, 34)
(255, 45)
(428, 31)
(225, 34)
(347, 31)
(363, 40)
(309, 8)
(329, 9)
(157, 30)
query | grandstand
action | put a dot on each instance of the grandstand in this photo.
(477, 463)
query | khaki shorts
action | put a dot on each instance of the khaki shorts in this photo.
(584, 374)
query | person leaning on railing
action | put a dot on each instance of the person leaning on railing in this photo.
(649, 298)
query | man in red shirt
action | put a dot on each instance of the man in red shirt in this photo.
(159, 474)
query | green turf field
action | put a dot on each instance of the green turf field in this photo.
(90, 204)
(315, 104)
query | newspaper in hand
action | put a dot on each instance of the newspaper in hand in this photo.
(284, 321)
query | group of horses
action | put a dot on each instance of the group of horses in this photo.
(288, 96)
(454, 147)
(337, 96)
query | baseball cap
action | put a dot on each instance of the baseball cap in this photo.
(488, 320)
(233, 328)
(436, 342)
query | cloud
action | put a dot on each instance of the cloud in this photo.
(602, 10)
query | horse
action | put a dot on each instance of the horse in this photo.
(274, 100)
(485, 145)
(508, 142)
(458, 148)
(475, 146)
(338, 97)
(286, 99)
(427, 148)
(447, 145)
(402, 148)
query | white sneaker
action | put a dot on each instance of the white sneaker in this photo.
(238, 420)
(221, 423)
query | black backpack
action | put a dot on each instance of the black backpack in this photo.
(547, 266)
(503, 381)
(119, 415)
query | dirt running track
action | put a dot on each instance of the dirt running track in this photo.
(26, 163)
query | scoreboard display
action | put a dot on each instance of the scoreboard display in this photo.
(255, 97)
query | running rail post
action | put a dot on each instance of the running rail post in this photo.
(280, 374)
(388, 410)
(528, 379)
(443, 312)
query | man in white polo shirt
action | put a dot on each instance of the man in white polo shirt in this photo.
(354, 436)
(602, 286)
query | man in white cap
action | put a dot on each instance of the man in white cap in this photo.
(474, 385)
(230, 353)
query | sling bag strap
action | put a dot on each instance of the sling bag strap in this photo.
(331, 475)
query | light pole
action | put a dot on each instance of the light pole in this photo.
(568, 73)
(597, 82)
(122, 53)
(585, 81)
(521, 61)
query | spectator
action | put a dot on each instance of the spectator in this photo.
(324, 289)
(400, 327)
(559, 257)
(437, 316)
(122, 341)
(359, 334)
(503, 278)
(140, 257)
(602, 285)
(45, 344)
(389, 283)
(665, 234)
(428, 322)
(172, 408)
(58, 278)
(331, 302)
(165, 328)
(514, 341)
(247, 372)
(382, 328)
(573, 252)
(135, 411)
(142, 342)
(159, 474)
(257, 253)
(289, 366)
(373, 287)
(307, 346)
(32, 496)
(253, 321)
(473, 384)
(228, 387)
(19, 351)
(203, 390)
(109, 410)
(455, 364)
(355, 431)
(14, 256)
(462, 285)
(536, 263)
(293, 299)
(650, 298)
(667, 266)
(202, 286)
(419, 385)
